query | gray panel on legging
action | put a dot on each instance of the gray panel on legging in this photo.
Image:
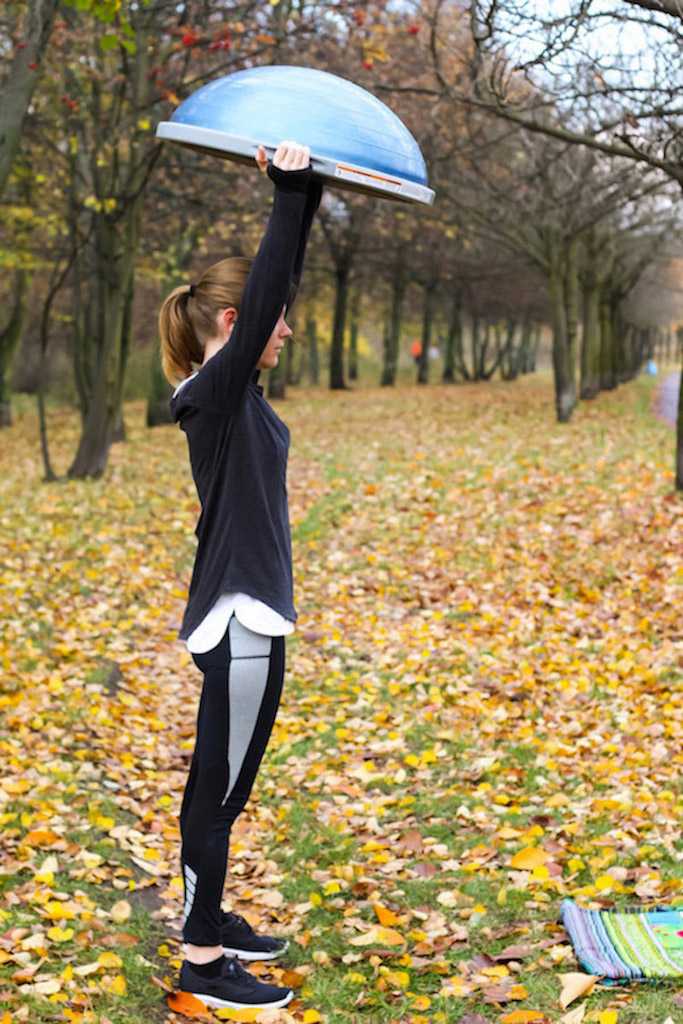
(247, 678)
(244, 643)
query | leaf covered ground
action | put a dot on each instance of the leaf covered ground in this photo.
(482, 711)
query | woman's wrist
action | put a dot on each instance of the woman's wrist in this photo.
(290, 181)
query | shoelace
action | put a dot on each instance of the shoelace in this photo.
(236, 920)
(233, 966)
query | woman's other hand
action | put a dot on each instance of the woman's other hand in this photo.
(289, 156)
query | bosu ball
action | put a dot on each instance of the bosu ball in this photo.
(356, 142)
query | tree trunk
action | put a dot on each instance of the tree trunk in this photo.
(337, 348)
(453, 356)
(483, 351)
(393, 333)
(590, 348)
(619, 350)
(20, 81)
(565, 387)
(9, 340)
(126, 330)
(508, 355)
(679, 438)
(571, 299)
(114, 254)
(354, 317)
(312, 341)
(525, 347)
(427, 324)
(607, 378)
(158, 393)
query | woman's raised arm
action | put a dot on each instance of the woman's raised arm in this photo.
(271, 284)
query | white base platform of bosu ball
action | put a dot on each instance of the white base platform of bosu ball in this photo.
(356, 142)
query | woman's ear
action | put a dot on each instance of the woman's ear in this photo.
(228, 317)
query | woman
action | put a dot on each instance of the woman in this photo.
(240, 605)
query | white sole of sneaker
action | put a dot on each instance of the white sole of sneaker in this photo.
(227, 1004)
(244, 954)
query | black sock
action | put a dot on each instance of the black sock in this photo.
(210, 970)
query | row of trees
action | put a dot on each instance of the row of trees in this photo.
(528, 224)
(533, 68)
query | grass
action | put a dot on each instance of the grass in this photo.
(453, 549)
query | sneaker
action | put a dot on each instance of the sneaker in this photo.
(233, 989)
(238, 938)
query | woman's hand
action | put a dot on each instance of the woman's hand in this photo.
(289, 156)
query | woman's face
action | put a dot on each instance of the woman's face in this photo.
(271, 353)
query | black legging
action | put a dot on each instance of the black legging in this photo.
(243, 677)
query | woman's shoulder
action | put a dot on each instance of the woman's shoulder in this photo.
(183, 383)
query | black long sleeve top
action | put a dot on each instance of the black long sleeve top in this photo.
(238, 445)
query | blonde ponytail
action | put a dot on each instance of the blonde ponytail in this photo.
(187, 322)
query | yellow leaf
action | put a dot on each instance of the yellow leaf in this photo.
(529, 858)
(558, 800)
(384, 915)
(399, 979)
(311, 1017)
(247, 1015)
(604, 882)
(384, 936)
(60, 934)
(518, 992)
(110, 959)
(574, 985)
(40, 836)
(118, 986)
(58, 911)
(499, 971)
(608, 1017)
(524, 1017)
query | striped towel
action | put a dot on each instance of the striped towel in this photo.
(626, 944)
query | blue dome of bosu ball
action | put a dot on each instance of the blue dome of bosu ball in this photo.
(356, 141)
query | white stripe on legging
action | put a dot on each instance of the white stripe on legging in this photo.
(190, 886)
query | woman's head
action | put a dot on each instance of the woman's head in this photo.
(187, 322)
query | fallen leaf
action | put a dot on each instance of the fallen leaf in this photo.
(387, 936)
(188, 1005)
(529, 858)
(384, 915)
(120, 911)
(514, 953)
(524, 1017)
(576, 984)
(574, 1016)
(311, 1017)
